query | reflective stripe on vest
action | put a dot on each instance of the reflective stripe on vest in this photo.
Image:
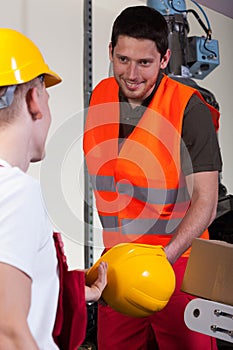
(140, 226)
(149, 195)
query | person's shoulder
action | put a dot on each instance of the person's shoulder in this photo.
(105, 91)
(15, 182)
(25, 180)
(185, 85)
(196, 101)
(111, 81)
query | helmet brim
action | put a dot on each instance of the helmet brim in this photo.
(51, 79)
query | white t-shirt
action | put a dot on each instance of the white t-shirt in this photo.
(26, 242)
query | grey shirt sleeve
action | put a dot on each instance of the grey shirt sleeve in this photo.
(200, 139)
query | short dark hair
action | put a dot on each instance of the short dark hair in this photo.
(142, 22)
(8, 114)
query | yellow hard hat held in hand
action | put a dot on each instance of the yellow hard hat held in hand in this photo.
(140, 279)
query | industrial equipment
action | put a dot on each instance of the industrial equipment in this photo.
(193, 57)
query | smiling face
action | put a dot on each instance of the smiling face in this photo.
(136, 65)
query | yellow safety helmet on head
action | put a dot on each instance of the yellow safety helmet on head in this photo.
(21, 60)
(140, 279)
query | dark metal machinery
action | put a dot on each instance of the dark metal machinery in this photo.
(193, 57)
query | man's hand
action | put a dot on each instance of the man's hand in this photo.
(94, 292)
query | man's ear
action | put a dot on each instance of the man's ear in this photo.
(110, 51)
(165, 59)
(33, 103)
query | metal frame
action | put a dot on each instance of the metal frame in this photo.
(88, 194)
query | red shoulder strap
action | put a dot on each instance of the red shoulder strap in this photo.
(71, 320)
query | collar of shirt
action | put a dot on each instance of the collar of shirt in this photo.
(129, 117)
(4, 164)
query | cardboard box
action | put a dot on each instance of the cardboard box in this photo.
(209, 272)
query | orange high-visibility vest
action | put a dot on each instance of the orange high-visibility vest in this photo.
(140, 191)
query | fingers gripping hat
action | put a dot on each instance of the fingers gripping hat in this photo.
(21, 60)
(140, 279)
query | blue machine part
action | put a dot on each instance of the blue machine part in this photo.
(203, 56)
(167, 7)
